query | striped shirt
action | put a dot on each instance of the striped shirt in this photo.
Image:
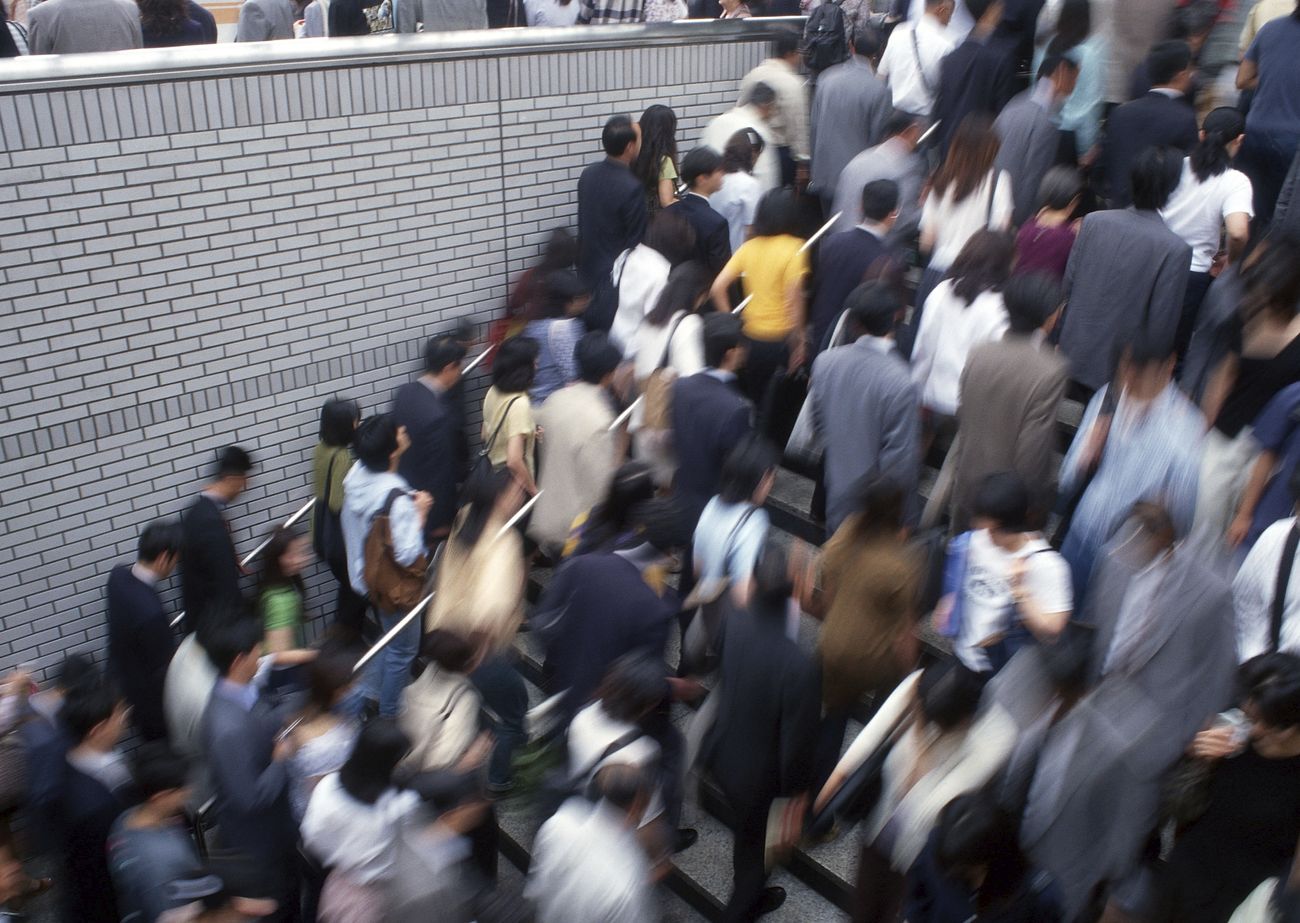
(603, 12)
(1253, 590)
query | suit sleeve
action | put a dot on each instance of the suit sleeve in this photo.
(242, 783)
(901, 438)
(253, 25)
(1034, 442)
(632, 216)
(1167, 294)
(38, 40)
(719, 248)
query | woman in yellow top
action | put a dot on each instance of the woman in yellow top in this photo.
(656, 164)
(771, 265)
(509, 430)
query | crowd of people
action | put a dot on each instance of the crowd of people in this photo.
(1074, 653)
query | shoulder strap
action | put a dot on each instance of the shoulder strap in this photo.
(920, 68)
(393, 494)
(487, 446)
(668, 344)
(626, 740)
(329, 479)
(735, 531)
(1284, 568)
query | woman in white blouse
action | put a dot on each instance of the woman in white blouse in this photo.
(640, 274)
(963, 311)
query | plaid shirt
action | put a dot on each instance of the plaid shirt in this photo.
(602, 12)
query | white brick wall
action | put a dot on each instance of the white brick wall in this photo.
(203, 261)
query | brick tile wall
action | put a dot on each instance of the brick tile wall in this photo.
(203, 261)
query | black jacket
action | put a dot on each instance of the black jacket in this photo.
(140, 647)
(979, 75)
(1154, 119)
(209, 567)
(843, 263)
(712, 234)
(611, 217)
(432, 462)
(709, 419)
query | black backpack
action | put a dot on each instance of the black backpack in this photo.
(825, 39)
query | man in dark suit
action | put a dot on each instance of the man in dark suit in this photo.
(703, 174)
(1127, 275)
(849, 258)
(1161, 118)
(758, 748)
(209, 566)
(710, 416)
(246, 763)
(979, 75)
(427, 409)
(140, 639)
(611, 203)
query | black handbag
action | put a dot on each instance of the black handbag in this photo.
(327, 528)
(861, 791)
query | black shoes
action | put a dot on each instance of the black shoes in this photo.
(770, 900)
(684, 838)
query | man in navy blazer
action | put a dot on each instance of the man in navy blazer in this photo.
(710, 416)
(611, 202)
(209, 566)
(1161, 118)
(851, 257)
(703, 174)
(433, 422)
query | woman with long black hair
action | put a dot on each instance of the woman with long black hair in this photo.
(656, 164)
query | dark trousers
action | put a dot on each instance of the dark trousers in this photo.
(672, 755)
(879, 894)
(506, 696)
(748, 872)
(765, 357)
(349, 608)
(1198, 283)
(1265, 158)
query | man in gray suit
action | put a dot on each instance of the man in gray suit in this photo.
(265, 20)
(866, 410)
(1030, 139)
(1011, 390)
(849, 112)
(74, 26)
(1127, 273)
(246, 764)
(1162, 663)
(895, 159)
(442, 15)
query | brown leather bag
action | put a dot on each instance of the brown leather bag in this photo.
(393, 587)
(658, 388)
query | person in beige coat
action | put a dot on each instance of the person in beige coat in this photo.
(579, 453)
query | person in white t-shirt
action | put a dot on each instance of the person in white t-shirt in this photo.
(912, 57)
(551, 12)
(1211, 197)
(1015, 589)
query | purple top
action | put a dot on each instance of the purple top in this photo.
(1043, 249)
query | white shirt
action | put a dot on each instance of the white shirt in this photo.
(640, 274)
(588, 867)
(364, 494)
(954, 223)
(737, 201)
(949, 330)
(686, 357)
(353, 837)
(958, 27)
(914, 91)
(727, 545)
(551, 13)
(1197, 210)
(986, 591)
(1252, 595)
(592, 732)
(719, 131)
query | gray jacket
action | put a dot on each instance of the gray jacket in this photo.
(849, 112)
(442, 15)
(265, 20)
(1029, 146)
(1127, 272)
(78, 26)
(888, 160)
(867, 413)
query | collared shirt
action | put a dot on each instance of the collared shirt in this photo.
(874, 228)
(144, 574)
(912, 68)
(1253, 591)
(882, 345)
(108, 769)
(1168, 91)
(721, 375)
(243, 695)
(219, 500)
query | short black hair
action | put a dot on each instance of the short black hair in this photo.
(977, 8)
(772, 580)
(1030, 300)
(1053, 62)
(620, 784)
(722, 334)
(368, 772)
(1155, 176)
(596, 357)
(618, 133)
(1272, 684)
(664, 523)
(234, 461)
(559, 288)
(974, 832)
(785, 42)
(376, 441)
(75, 671)
(86, 707)
(744, 469)
(881, 501)
(515, 365)
(1061, 185)
(700, 161)
(156, 768)
(1003, 498)
(1166, 60)
(776, 214)
(225, 640)
(448, 650)
(879, 199)
(761, 94)
(671, 236)
(634, 685)
(160, 537)
(441, 351)
(1146, 348)
(338, 421)
(873, 307)
(949, 693)
(866, 41)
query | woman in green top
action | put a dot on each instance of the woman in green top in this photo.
(656, 165)
(331, 460)
(279, 593)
